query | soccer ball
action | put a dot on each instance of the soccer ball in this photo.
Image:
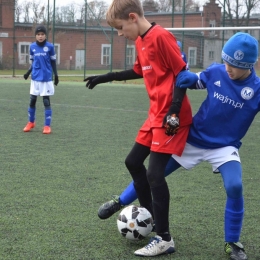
(135, 223)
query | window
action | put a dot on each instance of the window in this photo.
(106, 54)
(192, 56)
(23, 52)
(57, 51)
(130, 55)
(212, 23)
(211, 55)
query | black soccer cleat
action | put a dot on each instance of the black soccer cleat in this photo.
(109, 208)
(235, 251)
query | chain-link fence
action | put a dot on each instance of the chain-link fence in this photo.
(82, 47)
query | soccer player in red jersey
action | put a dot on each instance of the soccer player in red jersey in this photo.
(159, 62)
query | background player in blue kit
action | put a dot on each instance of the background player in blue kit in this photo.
(183, 54)
(222, 120)
(43, 57)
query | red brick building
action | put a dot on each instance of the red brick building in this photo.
(81, 46)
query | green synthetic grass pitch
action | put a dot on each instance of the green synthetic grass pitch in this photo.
(52, 185)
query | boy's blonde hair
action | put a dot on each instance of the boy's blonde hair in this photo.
(120, 9)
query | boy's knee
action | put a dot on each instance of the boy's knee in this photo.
(46, 102)
(135, 167)
(234, 190)
(33, 100)
(154, 178)
(130, 162)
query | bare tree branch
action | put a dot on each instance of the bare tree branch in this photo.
(238, 12)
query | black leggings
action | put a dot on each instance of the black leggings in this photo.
(151, 183)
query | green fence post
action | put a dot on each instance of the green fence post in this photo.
(85, 40)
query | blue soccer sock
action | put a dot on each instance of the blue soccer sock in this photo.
(128, 195)
(234, 214)
(48, 116)
(31, 114)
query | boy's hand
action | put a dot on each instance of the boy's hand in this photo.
(186, 79)
(56, 80)
(172, 124)
(92, 81)
(26, 75)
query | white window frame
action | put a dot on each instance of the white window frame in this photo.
(211, 55)
(22, 56)
(130, 60)
(103, 46)
(212, 24)
(57, 45)
(192, 61)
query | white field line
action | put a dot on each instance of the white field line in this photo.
(93, 107)
(80, 106)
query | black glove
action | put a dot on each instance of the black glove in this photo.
(26, 75)
(92, 81)
(56, 80)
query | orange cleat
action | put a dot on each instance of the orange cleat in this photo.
(29, 126)
(46, 130)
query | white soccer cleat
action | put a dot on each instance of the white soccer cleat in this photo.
(156, 246)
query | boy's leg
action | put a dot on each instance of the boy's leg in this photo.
(129, 195)
(234, 212)
(135, 165)
(31, 114)
(134, 162)
(162, 243)
(47, 115)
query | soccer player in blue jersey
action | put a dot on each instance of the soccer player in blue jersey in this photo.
(183, 54)
(215, 135)
(43, 57)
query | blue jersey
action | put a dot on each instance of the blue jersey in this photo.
(41, 66)
(184, 57)
(228, 110)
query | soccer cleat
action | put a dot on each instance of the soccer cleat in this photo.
(29, 126)
(156, 246)
(109, 208)
(235, 251)
(46, 130)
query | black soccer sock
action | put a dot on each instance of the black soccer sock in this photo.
(165, 236)
(161, 197)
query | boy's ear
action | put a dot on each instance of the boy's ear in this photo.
(133, 16)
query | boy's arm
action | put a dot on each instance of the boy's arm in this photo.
(171, 119)
(185, 79)
(27, 74)
(54, 69)
(92, 81)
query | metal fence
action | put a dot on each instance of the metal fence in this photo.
(83, 47)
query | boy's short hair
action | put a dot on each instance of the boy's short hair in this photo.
(120, 9)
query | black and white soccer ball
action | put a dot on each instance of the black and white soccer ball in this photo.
(135, 222)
